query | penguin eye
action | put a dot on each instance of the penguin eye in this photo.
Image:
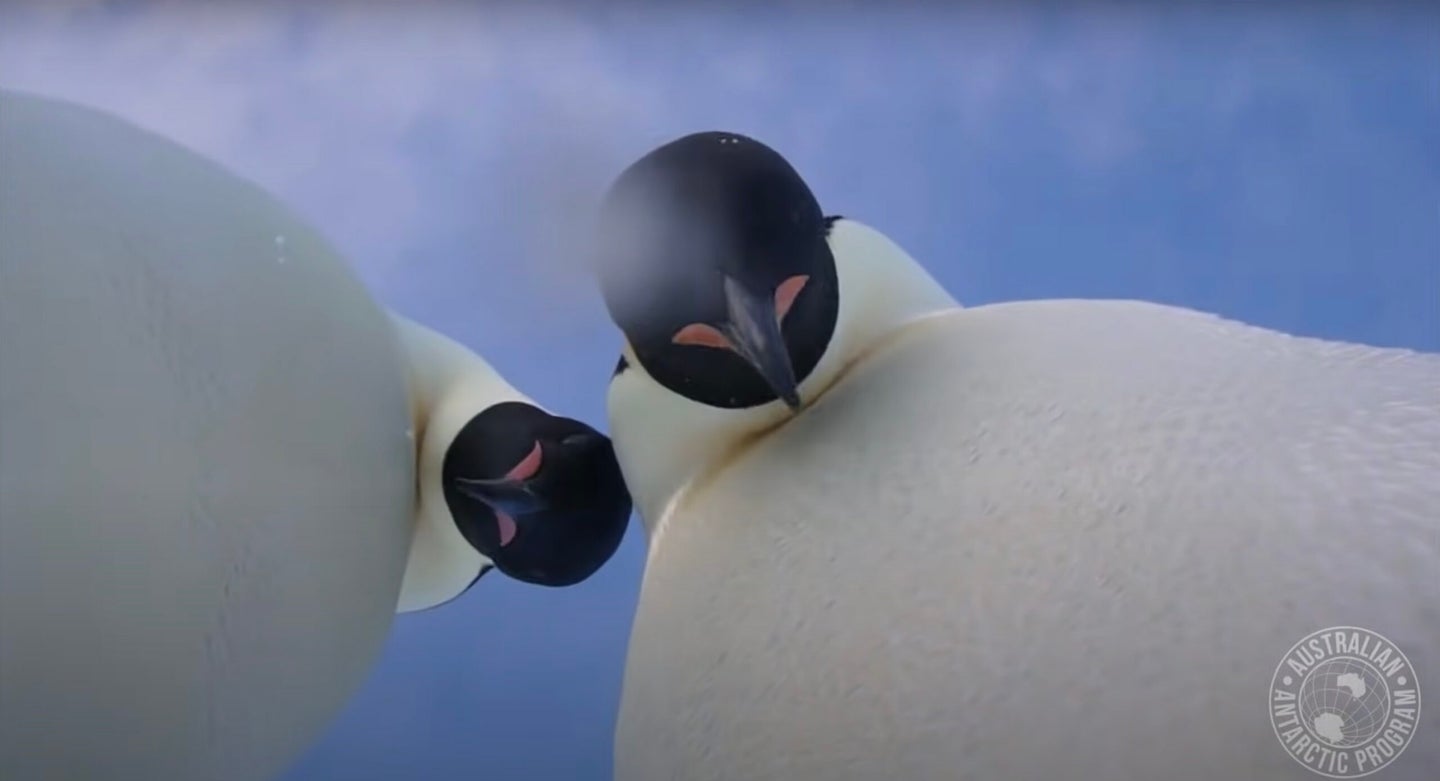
(572, 439)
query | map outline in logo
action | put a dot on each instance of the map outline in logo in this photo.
(1344, 702)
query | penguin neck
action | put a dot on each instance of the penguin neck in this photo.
(668, 445)
(449, 385)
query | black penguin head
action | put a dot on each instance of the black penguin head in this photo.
(539, 495)
(713, 261)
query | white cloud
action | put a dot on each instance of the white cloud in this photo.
(493, 126)
(315, 102)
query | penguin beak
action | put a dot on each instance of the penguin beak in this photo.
(511, 497)
(754, 330)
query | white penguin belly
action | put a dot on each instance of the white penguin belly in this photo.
(206, 488)
(1041, 540)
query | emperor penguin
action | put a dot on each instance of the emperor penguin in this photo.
(895, 538)
(224, 467)
(502, 484)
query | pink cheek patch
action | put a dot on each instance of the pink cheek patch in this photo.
(527, 467)
(524, 470)
(786, 294)
(702, 335)
(507, 528)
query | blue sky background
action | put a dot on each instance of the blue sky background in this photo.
(1278, 164)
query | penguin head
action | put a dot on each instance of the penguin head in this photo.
(713, 261)
(741, 303)
(540, 496)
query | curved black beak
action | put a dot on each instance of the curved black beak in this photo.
(512, 497)
(754, 329)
